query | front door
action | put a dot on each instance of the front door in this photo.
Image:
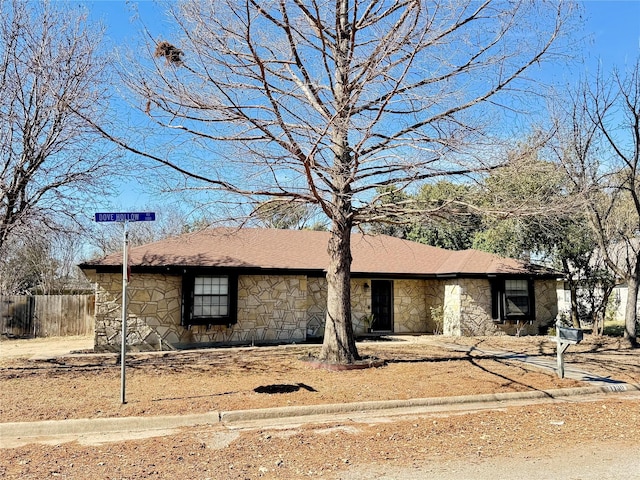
(382, 305)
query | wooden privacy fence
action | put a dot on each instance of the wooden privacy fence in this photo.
(47, 315)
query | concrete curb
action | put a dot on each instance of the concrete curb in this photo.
(119, 424)
(381, 406)
(104, 425)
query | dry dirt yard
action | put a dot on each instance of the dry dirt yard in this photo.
(36, 386)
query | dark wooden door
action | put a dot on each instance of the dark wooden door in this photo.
(382, 305)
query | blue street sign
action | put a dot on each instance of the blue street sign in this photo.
(126, 217)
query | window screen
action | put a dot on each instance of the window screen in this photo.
(516, 294)
(210, 297)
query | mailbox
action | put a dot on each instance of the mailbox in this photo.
(572, 335)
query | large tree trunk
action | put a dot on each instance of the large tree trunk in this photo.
(573, 293)
(630, 314)
(600, 313)
(339, 344)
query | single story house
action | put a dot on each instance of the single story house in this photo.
(227, 286)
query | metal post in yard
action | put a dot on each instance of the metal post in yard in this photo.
(560, 354)
(125, 282)
(124, 218)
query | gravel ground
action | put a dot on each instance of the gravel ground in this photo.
(596, 437)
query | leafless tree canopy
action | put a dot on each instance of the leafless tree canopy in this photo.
(327, 101)
(600, 150)
(42, 262)
(170, 221)
(49, 156)
(323, 96)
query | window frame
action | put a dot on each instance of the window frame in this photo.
(500, 296)
(189, 302)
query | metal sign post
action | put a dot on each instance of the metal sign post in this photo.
(565, 337)
(125, 283)
(124, 218)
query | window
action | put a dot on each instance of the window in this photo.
(512, 299)
(209, 299)
(516, 296)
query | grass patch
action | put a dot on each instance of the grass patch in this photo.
(614, 329)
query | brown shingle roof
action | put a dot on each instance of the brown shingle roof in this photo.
(307, 250)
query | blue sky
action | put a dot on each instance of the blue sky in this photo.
(611, 37)
(613, 25)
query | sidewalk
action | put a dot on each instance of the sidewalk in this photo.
(542, 363)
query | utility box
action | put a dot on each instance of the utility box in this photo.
(570, 335)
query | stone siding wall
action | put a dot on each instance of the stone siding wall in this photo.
(546, 302)
(153, 309)
(410, 306)
(546, 298)
(452, 309)
(475, 307)
(410, 312)
(292, 308)
(467, 309)
(546, 310)
(270, 309)
(317, 305)
(434, 295)
(360, 304)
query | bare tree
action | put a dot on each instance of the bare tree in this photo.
(26, 266)
(286, 215)
(50, 157)
(326, 102)
(601, 152)
(42, 262)
(170, 221)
